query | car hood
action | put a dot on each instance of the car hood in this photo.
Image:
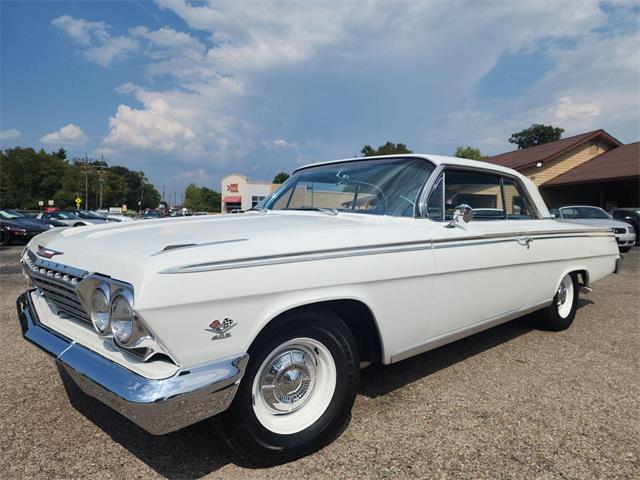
(28, 224)
(127, 251)
(597, 222)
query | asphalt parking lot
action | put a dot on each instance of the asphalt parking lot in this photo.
(511, 402)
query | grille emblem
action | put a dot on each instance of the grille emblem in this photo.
(47, 252)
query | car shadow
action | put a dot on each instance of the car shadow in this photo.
(192, 452)
(199, 450)
(379, 379)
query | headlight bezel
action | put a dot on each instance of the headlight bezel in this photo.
(104, 289)
(122, 297)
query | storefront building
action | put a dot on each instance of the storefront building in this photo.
(593, 168)
(239, 193)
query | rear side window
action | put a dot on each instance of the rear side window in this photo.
(491, 196)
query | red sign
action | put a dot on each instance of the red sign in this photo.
(232, 187)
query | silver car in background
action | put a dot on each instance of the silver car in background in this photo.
(589, 215)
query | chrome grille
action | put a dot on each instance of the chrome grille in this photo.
(58, 283)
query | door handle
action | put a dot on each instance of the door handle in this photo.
(525, 241)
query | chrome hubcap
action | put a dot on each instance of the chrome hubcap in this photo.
(562, 294)
(288, 381)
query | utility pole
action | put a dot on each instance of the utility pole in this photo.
(163, 192)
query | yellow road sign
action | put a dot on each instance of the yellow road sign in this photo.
(78, 201)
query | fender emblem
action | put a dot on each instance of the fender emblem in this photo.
(221, 328)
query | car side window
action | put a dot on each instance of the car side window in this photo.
(491, 196)
(516, 204)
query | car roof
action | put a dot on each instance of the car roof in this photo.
(435, 159)
(580, 206)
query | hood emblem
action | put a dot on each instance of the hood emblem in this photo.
(47, 252)
(221, 329)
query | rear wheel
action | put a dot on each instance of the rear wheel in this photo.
(298, 389)
(560, 314)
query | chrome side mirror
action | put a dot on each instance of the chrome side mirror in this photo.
(462, 213)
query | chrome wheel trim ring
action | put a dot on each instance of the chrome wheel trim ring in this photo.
(294, 386)
(565, 296)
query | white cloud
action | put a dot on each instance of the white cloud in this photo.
(68, 135)
(101, 47)
(155, 127)
(9, 134)
(568, 109)
(82, 31)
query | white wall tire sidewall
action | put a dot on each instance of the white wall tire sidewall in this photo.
(315, 405)
(565, 309)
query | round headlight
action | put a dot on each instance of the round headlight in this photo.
(100, 310)
(121, 319)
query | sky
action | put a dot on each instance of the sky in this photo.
(189, 91)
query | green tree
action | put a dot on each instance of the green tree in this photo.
(27, 176)
(201, 199)
(281, 177)
(61, 153)
(469, 152)
(536, 134)
(388, 148)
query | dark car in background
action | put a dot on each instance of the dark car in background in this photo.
(33, 218)
(16, 228)
(89, 215)
(629, 215)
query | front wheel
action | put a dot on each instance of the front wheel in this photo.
(560, 314)
(625, 249)
(298, 389)
(5, 238)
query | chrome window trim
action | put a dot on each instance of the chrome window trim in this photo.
(432, 183)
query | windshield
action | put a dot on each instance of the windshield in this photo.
(9, 215)
(583, 212)
(64, 215)
(376, 187)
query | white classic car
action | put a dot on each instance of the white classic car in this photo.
(266, 317)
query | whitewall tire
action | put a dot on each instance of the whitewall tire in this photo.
(298, 389)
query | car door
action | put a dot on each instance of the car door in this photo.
(482, 266)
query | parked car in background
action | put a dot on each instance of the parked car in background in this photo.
(68, 218)
(267, 317)
(154, 214)
(589, 215)
(96, 218)
(25, 217)
(629, 215)
(15, 228)
(114, 217)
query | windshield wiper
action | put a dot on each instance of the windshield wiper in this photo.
(328, 211)
(257, 209)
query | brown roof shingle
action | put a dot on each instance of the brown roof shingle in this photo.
(518, 159)
(620, 162)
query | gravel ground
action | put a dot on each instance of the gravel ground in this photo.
(511, 402)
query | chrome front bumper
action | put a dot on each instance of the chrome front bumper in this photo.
(158, 406)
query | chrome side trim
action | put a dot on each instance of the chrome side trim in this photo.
(158, 406)
(380, 249)
(173, 248)
(465, 332)
(309, 256)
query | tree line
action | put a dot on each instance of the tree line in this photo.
(28, 176)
